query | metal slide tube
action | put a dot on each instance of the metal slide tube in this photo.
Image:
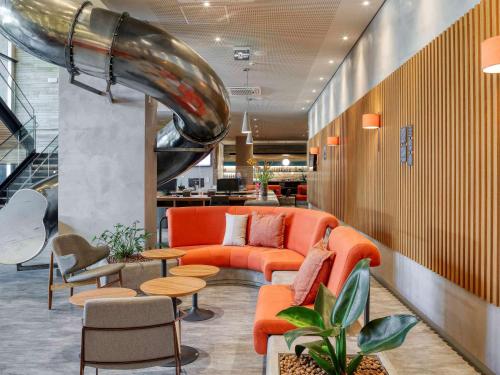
(121, 49)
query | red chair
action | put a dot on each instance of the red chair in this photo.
(301, 195)
(276, 189)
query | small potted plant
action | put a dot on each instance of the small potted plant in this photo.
(330, 319)
(263, 174)
(126, 244)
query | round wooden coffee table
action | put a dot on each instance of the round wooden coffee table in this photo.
(202, 271)
(175, 287)
(163, 255)
(79, 299)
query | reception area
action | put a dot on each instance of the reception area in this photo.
(258, 187)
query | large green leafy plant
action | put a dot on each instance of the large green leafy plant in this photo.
(124, 241)
(332, 316)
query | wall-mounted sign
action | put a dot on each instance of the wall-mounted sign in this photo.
(406, 145)
(241, 53)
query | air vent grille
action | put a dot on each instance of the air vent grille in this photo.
(244, 91)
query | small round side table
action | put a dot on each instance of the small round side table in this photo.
(163, 255)
(175, 287)
(79, 299)
(195, 314)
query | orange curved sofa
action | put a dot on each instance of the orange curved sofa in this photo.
(349, 247)
(200, 231)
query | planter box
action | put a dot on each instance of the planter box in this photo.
(309, 366)
(134, 274)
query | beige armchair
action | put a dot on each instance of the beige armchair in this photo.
(129, 333)
(73, 255)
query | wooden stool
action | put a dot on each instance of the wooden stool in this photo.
(195, 314)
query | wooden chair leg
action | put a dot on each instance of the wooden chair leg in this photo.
(82, 369)
(98, 282)
(51, 280)
(120, 278)
(71, 292)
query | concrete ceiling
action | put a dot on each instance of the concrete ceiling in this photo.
(296, 47)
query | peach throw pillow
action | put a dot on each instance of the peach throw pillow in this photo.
(314, 270)
(267, 230)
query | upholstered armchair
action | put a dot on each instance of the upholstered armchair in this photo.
(301, 195)
(129, 333)
(74, 255)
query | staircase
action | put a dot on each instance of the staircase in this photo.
(22, 161)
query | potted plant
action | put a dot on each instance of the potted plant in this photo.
(126, 244)
(263, 174)
(330, 319)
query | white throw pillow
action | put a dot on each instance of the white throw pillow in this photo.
(236, 230)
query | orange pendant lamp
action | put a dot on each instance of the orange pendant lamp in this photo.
(371, 121)
(333, 141)
(314, 150)
(490, 55)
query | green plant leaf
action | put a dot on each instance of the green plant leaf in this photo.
(352, 298)
(294, 334)
(385, 333)
(322, 362)
(318, 346)
(323, 305)
(341, 350)
(353, 365)
(301, 316)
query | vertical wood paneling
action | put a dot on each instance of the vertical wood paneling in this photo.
(444, 211)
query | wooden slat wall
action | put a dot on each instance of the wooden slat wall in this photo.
(444, 211)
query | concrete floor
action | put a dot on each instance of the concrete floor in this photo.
(34, 340)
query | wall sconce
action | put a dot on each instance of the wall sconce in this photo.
(490, 55)
(371, 121)
(333, 141)
(314, 150)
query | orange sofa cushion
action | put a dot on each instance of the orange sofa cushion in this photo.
(272, 299)
(267, 230)
(262, 259)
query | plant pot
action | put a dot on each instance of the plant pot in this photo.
(137, 270)
(290, 364)
(263, 190)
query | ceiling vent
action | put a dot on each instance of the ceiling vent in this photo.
(244, 91)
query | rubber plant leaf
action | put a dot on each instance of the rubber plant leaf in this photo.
(352, 299)
(353, 365)
(318, 346)
(294, 334)
(385, 333)
(301, 317)
(322, 362)
(323, 305)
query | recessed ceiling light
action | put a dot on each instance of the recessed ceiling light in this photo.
(330, 62)
(217, 39)
(314, 91)
(207, 3)
(366, 3)
(303, 108)
(321, 78)
(345, 37)
(255, 119)
(308, 101)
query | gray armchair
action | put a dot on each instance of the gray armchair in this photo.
(129, 333)
(73, 255)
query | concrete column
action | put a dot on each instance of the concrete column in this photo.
(243, 153)
(107, 170)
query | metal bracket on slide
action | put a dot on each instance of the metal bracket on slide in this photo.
(110, 78)
(182, 149)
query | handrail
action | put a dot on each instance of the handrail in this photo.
(42, 163)
(17, 89)
(11, 59)
(15, 148)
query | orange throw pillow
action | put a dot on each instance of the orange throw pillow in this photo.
(314, 270)
(267, 230)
